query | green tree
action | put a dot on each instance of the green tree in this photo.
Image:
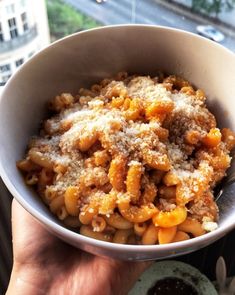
(213, 7)
(64, 20)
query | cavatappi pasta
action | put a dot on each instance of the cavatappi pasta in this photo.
(132, 160)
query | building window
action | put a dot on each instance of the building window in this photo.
(24, 21)
(5, 68)
(10, 9)
(19, 62)
(1, 33)
(4, 79)
(13, 27)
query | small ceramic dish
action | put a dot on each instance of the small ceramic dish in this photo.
(173, 277)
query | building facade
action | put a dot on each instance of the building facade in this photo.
(23, 31)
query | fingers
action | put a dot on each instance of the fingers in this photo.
(27, 233)
(23, 224)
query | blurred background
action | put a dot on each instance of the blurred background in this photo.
(27, 26)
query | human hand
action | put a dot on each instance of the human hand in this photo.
(43, 264)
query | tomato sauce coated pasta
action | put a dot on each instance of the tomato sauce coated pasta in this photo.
(134, 159)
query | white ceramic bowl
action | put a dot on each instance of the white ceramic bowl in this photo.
(87, 57)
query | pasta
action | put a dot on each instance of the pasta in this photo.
(121, 236)
(166, 234)
(150, 236)
(132, 160)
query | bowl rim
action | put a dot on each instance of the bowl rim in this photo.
(67, 233)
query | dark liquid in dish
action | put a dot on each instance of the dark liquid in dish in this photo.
(172, 286)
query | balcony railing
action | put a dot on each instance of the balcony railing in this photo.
(19, 41)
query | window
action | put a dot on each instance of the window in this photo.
(4, 79)
(24, 21)
(19, 62)
(13, 27)
(5, 68)
(10, 9)
(1, 34)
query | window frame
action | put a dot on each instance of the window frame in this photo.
(19, 62)
(12, 24)
(1, 33)
(5, 68)
(24, 21)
